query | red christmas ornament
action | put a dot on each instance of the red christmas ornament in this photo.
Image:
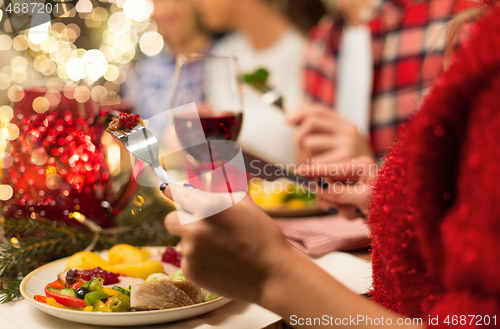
(58, 160)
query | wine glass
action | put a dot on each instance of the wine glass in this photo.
(207, 105)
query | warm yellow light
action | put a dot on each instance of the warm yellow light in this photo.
(79, 217)
(50, 44)
(63, 52)
(151, 43)
(98, 94)
(15, 93)
(6, 192)
(135, 9)
(5, 42)
(15, 242)
(20, 43)
(69, 90)
(119, 23)
(95, 64)
(112, 73)
(11, 131)
(82, 94)
(53, 181)
(114, 159)
(76, 69)
(84, 6)
(20, 77)
(53, 97)
(5, 160)
(39, 156)
(40, 105)
(4, 81)
(19, 64)
(6, 112)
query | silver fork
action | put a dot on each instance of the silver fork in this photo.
(144, 146)
(270, 96)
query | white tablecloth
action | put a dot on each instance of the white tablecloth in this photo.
(351, 271)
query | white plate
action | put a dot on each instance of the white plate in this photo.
(35, 282)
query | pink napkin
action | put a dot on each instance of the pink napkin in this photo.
(317, 236)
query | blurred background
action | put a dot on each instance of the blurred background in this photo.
(86, 55)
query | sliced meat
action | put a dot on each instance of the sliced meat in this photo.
(190, 289)
(158, 295)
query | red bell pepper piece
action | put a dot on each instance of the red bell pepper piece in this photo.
(40, 298)
(65, 300)
(56, 284)
(76, 285)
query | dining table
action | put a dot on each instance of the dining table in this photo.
(353, 269)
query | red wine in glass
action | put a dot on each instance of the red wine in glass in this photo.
(221, 126)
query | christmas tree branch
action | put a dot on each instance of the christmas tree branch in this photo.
(11, 292)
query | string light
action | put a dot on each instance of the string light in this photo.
(127, 32)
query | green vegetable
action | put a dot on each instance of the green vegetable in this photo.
(92, 297)
(86, 285)
(298, 193)
(96, 284)
(122, 290)
(157, 276)
(119, 303)
(257, 79)
(207, 295)
(178, 276)
(66, 291)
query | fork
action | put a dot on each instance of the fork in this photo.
(144, 146)
(271, 96)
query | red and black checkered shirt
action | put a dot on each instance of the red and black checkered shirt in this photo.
(408, 40)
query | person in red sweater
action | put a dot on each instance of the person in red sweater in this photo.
(433, 214)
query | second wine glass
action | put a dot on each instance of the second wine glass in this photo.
(207, 105)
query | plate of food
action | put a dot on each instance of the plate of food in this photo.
(124, 286)
(283, 198)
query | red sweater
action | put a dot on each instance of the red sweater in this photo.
(435, 212)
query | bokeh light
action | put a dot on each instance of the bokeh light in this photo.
(5, 42)
(53, 181)
(119, 23)
(126, 32)
(41, 105)
(15, 93)
(6, 113)
(151, 43)
(6, 160)
(39, 156)
(76, 69)
(6, 192)
(10, 132)
(135, 9)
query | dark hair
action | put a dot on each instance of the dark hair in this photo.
(304, 14)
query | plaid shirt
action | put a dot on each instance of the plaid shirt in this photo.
(408, 42)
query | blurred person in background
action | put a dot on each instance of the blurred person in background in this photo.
(366, 68)
(149, 84)
(268, 34)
